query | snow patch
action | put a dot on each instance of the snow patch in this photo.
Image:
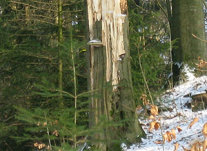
(189, 72)
(180, 115)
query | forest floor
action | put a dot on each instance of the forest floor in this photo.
(181, 129)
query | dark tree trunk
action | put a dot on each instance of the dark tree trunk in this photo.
(187, 20)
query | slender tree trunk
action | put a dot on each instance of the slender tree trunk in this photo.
(75, 81)
(60, 40)
(175, 37)
(187, 20)
(110, 73)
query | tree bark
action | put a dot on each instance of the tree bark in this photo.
(110, 73)
(187, 20)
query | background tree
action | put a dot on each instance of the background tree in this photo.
(187, 30)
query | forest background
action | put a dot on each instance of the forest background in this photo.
(44, 94)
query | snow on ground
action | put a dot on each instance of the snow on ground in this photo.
(180, 115)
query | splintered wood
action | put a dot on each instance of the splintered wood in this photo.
(113, 17)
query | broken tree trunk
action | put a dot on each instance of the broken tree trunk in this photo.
(110, 75)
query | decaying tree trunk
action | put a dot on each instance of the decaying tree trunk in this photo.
(110, 74)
